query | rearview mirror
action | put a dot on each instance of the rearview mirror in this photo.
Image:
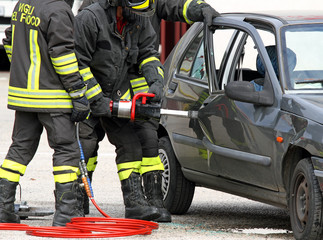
(244, 91)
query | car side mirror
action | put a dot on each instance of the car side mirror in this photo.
(244, 91)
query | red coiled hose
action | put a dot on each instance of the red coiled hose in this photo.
(89, 227)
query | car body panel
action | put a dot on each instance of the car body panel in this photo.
(234, 146)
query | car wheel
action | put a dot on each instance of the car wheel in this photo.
(305, 203)
(178, 191)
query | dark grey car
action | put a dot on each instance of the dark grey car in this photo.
(251, 90)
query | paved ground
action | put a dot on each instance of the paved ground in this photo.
(213, 215)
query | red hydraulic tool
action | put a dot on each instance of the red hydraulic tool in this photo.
(136, 109)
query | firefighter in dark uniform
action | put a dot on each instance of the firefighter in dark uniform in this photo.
(110, 40)
(47, 91)
(91, 132)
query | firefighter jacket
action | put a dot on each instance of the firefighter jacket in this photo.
(170, 10)
(105, 56)
(40, 46)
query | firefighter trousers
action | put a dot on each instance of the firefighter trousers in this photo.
(136, 145)
(28, 127)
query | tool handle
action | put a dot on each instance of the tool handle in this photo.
(143, 101)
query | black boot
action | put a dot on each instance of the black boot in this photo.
(153, 192)
(68, 203)
(7, 199)
(135, 203)
(86, 202)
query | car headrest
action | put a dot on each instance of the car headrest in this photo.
(272, 53)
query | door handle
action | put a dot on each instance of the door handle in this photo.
(172, 87)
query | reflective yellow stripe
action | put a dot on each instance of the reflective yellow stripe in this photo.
(35, 61)
(91, 164)
(13, 34)
(147, 60)
(137, 82)
(66, 177)
(8, 49)
(86, 74)
(127, 165)
(64, 60)
(13, 177)
(39, 103)
(126, 96)
(145, 169)
(78, 93)
(141, 90)
(187, 3)
(126, 173)
(92, 92)
(29, 93)
(142, 6)
(139, 85)
(12, 165)
(151, 160)
(160, 71)
(151, 164)
(65, 168)
(12, 38)
(67, 69)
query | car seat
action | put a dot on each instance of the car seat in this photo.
(272, 53)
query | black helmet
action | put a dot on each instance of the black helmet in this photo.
(141, 7)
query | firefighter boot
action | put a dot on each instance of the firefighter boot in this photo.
(68, 202)
(153, 192)
(136, 205)
(7, 199)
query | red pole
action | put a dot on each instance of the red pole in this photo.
(177, 32)
(162, 41)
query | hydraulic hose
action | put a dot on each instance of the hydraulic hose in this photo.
(88, 227)
(84, 174)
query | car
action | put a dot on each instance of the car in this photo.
(243, 114)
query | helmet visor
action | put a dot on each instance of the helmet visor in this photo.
(138, 4)
(145, 8)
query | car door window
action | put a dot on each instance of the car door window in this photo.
(222, 40)
(244, 63)
(192, 57)
(198, 70)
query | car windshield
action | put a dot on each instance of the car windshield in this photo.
(303, 56)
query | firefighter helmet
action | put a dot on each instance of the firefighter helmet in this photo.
(141, 7)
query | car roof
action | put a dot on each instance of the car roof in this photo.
(285, 17)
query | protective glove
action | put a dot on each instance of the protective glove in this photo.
(157, 89)
(81, 109)
(81, 106)
(101, 107)
(199, 12)
(209, 13)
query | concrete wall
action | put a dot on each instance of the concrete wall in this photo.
(250, 5)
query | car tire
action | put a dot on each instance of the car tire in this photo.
(178, 191)
(305, 203)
